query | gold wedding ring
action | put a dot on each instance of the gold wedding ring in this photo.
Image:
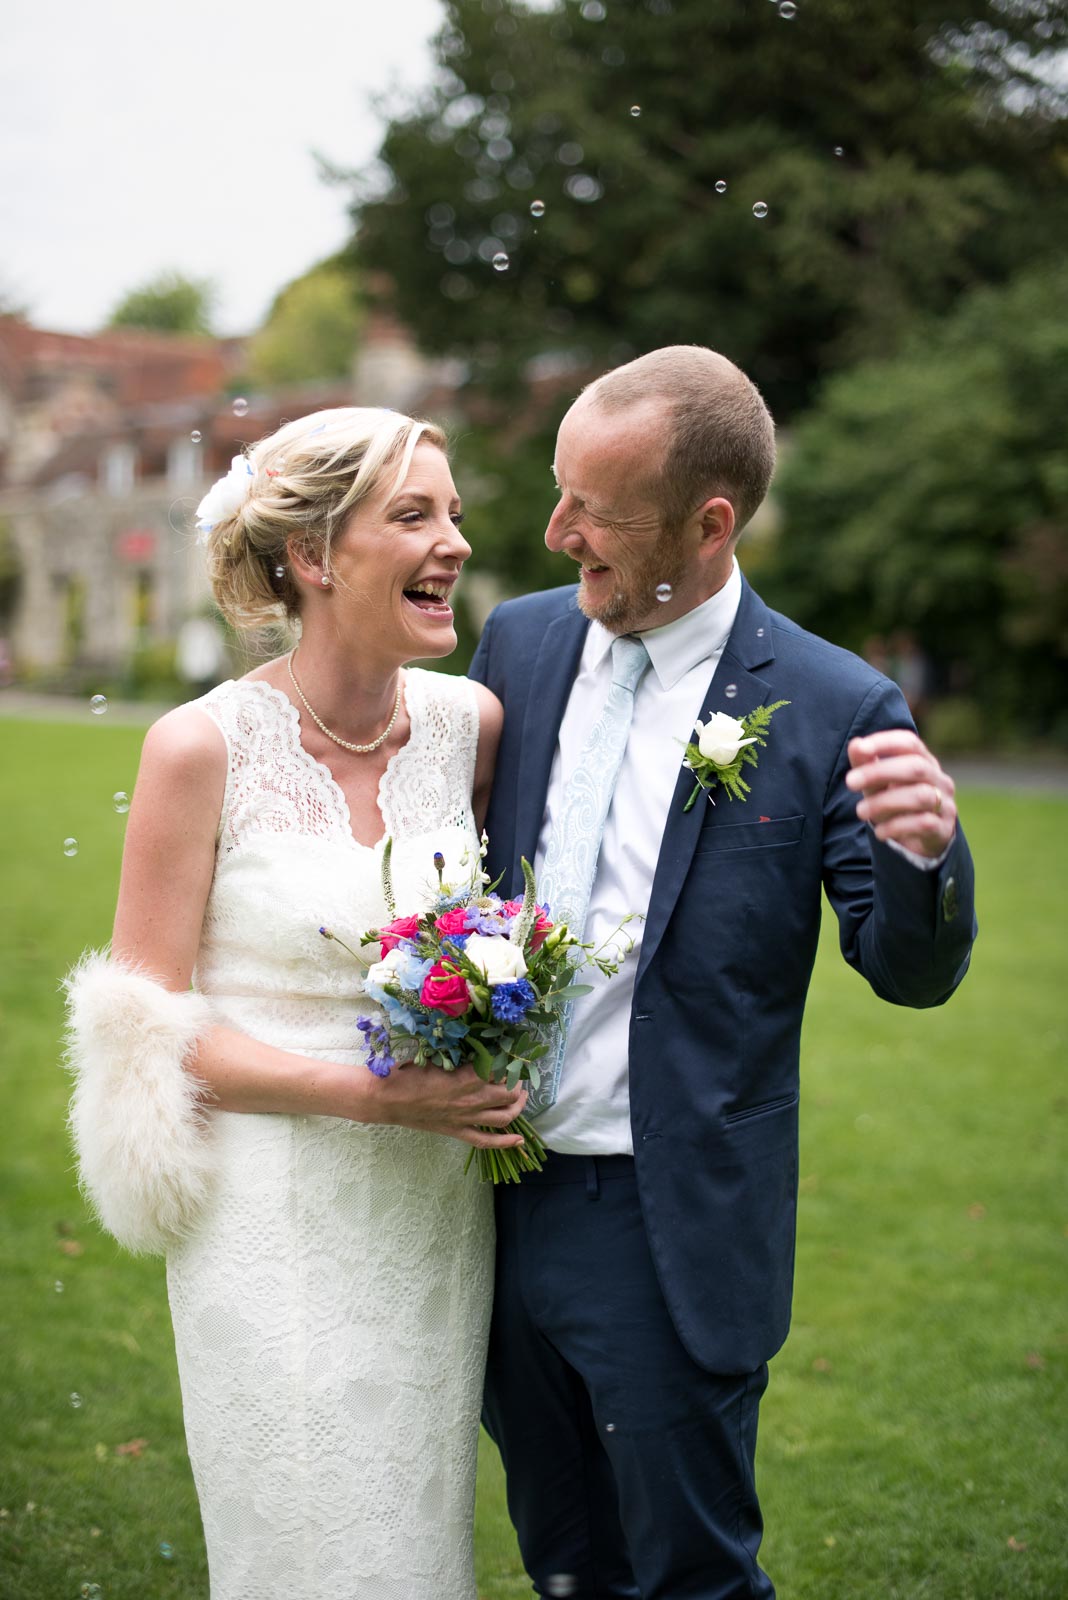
(937, 800)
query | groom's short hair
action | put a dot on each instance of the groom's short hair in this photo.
(720, 434)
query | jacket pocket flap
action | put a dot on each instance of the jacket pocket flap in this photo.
(751, 835)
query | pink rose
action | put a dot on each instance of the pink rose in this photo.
(452, 922)
(445, 990)
(392, 934)
(542, 924)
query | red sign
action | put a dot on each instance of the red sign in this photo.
(136, 544)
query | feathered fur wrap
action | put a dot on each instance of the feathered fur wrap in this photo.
(144, 1145)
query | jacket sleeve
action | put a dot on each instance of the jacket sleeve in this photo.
(908, 931)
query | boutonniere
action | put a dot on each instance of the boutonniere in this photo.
(724, 745)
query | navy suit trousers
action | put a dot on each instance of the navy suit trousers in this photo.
(629, 1467)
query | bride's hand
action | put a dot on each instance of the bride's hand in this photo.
(458, 1104)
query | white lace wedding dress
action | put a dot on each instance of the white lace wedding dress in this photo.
(330, 1316)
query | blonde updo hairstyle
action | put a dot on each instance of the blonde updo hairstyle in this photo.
(306, 481)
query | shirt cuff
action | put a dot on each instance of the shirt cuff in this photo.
(925, 863)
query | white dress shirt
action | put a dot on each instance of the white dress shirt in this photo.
(592, 1112)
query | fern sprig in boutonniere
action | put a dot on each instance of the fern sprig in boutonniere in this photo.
(724, 745)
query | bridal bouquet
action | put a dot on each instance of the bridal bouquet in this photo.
(474, 978)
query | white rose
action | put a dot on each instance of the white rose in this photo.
(499, 960)
(225, 496)
(721, 738)
(385, 971)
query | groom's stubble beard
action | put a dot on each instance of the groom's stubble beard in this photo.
(634, 605)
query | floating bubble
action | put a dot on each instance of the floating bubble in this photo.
(760, 209)
(70, 847)
(609, 1427)
(635, 111)
(787, 10)
(121, 801)
(76, 1402)
(90, 1591)
(98, 704)
(731, 691)
(721, 186)
(279, 572)
(501, 263)
(166, 1550)
(760, 633)
(581, 186)
(240, 407)
(58, 1286)
(537, 208)
(838, 150)
(594, 11)
(196, 436)
(561, 1583)
(663, 592)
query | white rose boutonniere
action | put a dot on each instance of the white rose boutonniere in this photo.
(723, 746)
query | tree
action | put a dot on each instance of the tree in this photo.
(311, 330)
(904, 152)
(168, 303)
(931, 493)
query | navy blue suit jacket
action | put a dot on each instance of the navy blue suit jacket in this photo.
(729, 943)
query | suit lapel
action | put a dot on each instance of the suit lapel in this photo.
(734, 689)
(550, 685)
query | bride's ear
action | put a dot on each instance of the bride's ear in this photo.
(307, 565)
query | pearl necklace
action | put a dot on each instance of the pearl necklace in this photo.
(358, 749)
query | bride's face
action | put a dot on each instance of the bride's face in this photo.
(396, 562)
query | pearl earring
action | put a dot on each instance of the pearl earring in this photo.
(325, 581)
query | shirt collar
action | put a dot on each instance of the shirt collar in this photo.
(679, 646)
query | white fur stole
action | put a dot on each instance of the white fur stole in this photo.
(144, 1145)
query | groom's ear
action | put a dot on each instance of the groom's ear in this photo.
(716, 519)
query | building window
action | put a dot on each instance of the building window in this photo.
(185, 463)
(120, 467)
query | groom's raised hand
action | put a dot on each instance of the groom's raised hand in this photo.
(905, 795)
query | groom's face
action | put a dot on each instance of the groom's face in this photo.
(608, 520)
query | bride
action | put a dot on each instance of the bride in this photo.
(328, 1264)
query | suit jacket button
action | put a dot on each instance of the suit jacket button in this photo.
(950, 900)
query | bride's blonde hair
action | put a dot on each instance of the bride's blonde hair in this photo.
(306, 480)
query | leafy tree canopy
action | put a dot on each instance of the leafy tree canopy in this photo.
(930, 492)
(311, 330)
(169, 303)
(904, 152)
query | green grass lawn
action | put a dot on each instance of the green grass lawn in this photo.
(913, 1440)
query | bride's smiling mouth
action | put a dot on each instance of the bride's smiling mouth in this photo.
(430, 596)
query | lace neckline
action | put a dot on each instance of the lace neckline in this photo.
(322, 771)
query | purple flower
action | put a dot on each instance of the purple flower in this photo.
(376, 1037)
(512, 1001)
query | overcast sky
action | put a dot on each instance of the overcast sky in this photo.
(135, 138)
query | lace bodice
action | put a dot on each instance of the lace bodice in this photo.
(287, 863)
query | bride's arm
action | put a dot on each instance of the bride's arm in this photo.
(168, 864)
(490, 722)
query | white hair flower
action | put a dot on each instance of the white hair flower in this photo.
(225, 496)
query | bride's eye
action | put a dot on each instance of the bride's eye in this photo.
(457, 518)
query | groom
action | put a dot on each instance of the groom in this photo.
(644, 1277)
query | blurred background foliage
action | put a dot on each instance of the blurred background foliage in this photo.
(577, 185)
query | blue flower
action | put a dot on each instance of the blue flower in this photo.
(379, 1056)
(512, 1001)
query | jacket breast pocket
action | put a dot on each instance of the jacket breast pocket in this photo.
(777, 832)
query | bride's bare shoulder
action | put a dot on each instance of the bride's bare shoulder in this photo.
(186, 744)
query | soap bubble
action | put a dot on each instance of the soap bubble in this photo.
(721, 186)
(76, 1402)
(635, 111)
(760, 209)
(787, 10)
(58, 1286)
(90, 1591)
(121, 801)
(98, 704)
(537, 208)
(70, 847)
(838, 150)
(196, 436)
(166, 1550)
(561, 1584)
(240, 407)
(594, 11)
(501, 262)
(731, 691)
(663, 592)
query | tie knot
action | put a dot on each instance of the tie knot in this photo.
(629, 660)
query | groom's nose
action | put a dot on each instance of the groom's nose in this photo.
(563, 532)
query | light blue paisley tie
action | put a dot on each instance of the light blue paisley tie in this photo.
(567, 874)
